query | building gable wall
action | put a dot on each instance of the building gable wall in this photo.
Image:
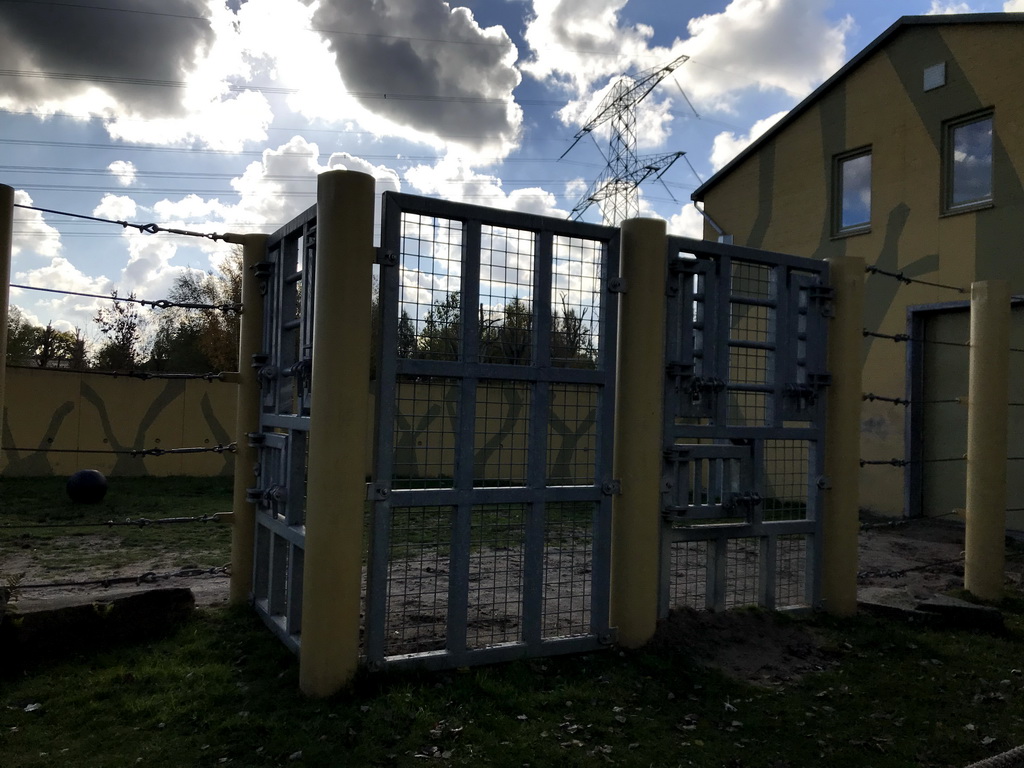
(780, 196)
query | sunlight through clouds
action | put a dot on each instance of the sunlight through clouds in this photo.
(217, 116)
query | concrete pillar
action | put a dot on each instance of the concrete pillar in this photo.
(247, 416)
(336, 489)
(841, 524)
(6, 248)
(639, 424)
(987, 414)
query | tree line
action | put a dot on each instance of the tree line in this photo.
(201, 341)
(133, 339)
(506, 334)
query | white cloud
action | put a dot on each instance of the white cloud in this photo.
(423, 71)
(943, 7)
(453, 179)
(688, 223)
(727, 144)
(1013, 6)
(148, 273)
(66, 312)
(224, 124)
(32, 235)
(124, 171)
(215, 109)
(272, 191)
(160, 71)
(580, 42)
(740, 49)
(116, 207)
(119, 44)
(730, 52)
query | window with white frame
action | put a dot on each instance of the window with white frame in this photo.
(968, 162)
(852, 192)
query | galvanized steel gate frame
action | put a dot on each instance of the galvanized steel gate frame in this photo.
(530, 498)
(284, 366)
(745, 374)
(744, 427)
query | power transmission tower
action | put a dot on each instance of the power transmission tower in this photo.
(615, 189)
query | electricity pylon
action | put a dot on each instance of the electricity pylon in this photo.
(616, 187)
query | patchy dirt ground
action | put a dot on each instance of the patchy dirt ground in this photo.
(923, 557)
(209, 584)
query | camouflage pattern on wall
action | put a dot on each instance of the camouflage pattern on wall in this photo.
(57, 422)
(780, 196)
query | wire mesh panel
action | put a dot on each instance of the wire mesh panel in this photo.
(495, 374)
(568, 565)
(283, 367)
(744, 415)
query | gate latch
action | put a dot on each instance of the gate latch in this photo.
(823, 297)
(743, 502)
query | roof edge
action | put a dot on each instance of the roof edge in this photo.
(869, 50)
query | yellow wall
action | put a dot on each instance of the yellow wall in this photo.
(66, 411)
(778, 198)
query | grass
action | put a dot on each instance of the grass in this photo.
(223, 691)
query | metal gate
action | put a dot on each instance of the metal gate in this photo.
(279, 492)
(491, 508)
(744, 427)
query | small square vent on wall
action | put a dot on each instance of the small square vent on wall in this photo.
(935, 76)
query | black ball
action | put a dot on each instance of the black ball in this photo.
(87, 486)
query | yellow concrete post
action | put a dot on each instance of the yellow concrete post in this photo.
(639, 393)
(987, 413)
(336, 487)
(841, 523)
(247, 416)
(6, 247)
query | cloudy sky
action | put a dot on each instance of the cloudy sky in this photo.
(216, 116)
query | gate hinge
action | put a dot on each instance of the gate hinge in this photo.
(824, 483)
(256, 439)
(385, 257)
(264, 371)
(376, 492)
(676, 453)
(264, 496)
(676, 370)
(672, 512)
(263, 270)
(807, 394)
(618, 285)
(611, 487)
(823, 296)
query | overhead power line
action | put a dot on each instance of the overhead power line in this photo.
(272, 89)
(617, 186)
